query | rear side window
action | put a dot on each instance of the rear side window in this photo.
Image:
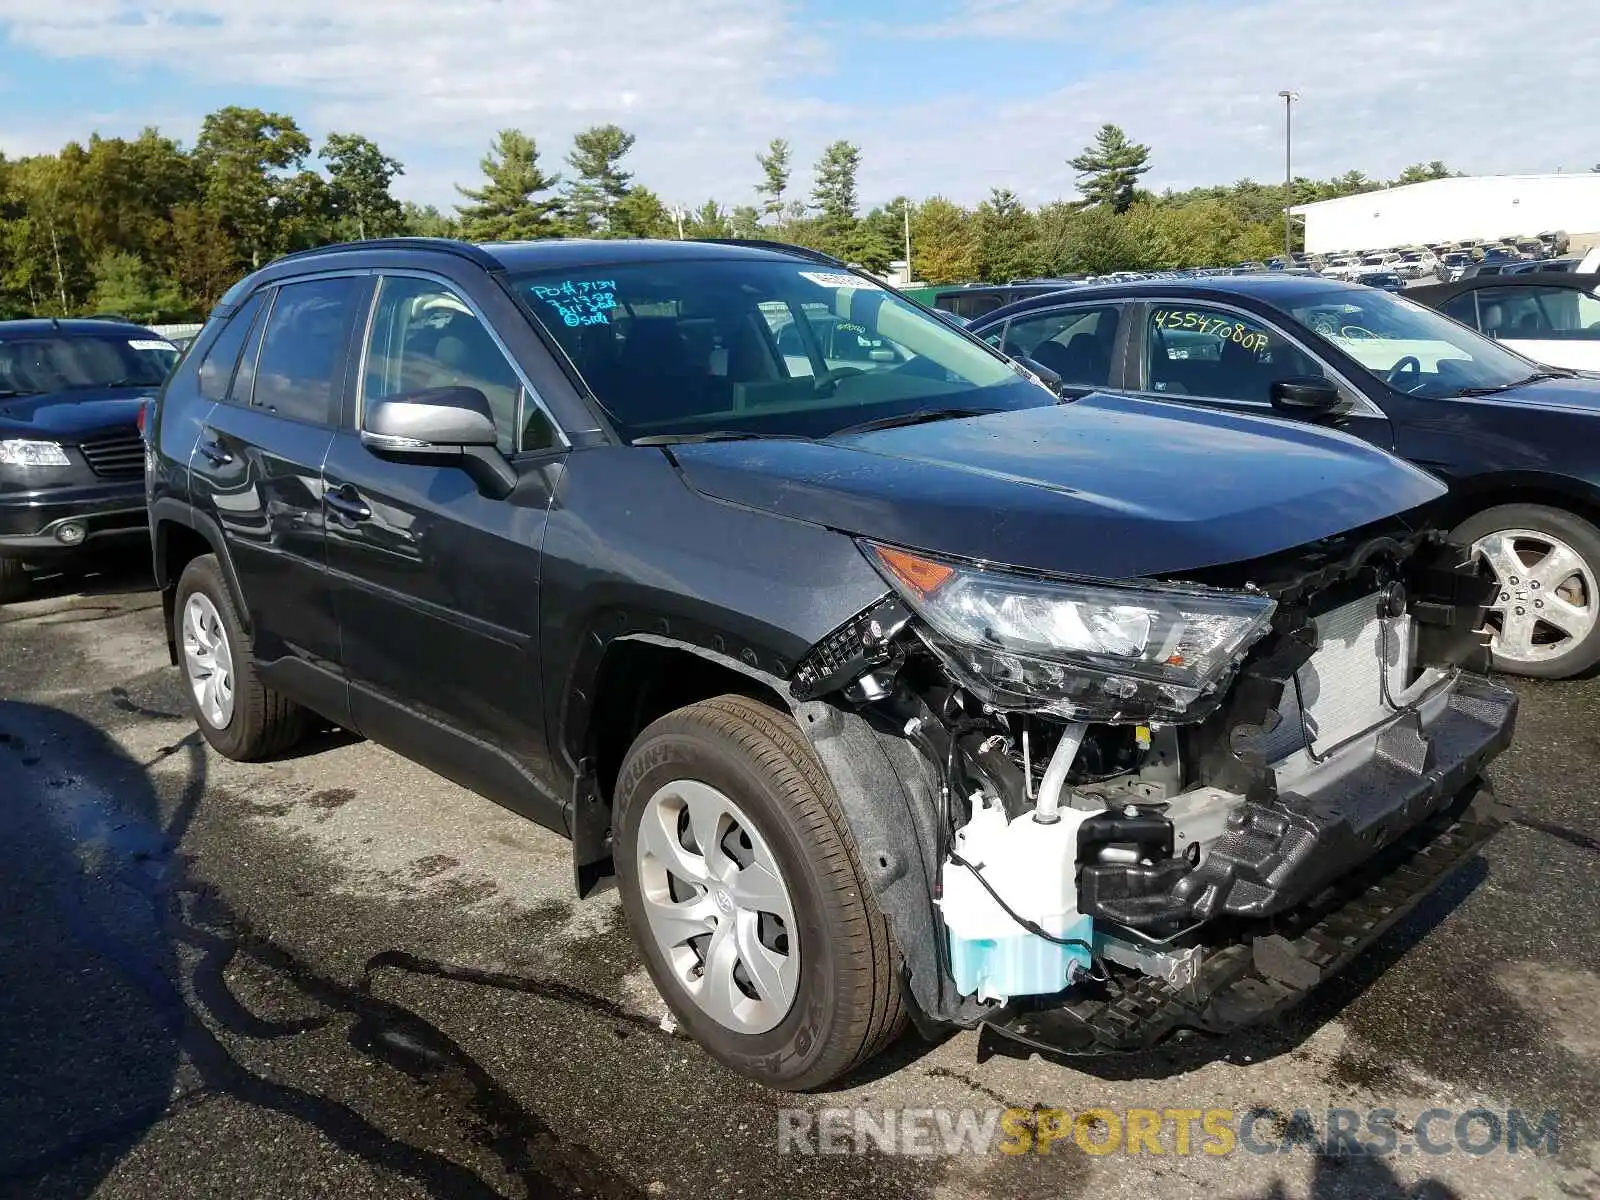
(1463, 308)
(222, 359)
(300, 370)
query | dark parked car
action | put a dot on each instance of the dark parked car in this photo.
(878, 679)
(1515, 439)
(1551, 317)
(973, 300)
(1386, 281)
(71, 460)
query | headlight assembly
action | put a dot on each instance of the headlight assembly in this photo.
(1086, 651)
(17, 452)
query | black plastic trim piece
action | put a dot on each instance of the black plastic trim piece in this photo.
(1271, 965)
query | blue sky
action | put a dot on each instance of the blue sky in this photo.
(944, 96)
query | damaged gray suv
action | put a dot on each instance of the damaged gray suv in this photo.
(883, 682)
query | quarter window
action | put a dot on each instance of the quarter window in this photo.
(425, 336)
(1463, 308)
(1075, 343)
(300, 370)
(1540, 313)
(217, 368)
(1194, 350)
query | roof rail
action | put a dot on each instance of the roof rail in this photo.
(769, 244)
(467, 250)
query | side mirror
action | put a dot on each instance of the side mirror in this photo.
(1305, 396)
(447, 426)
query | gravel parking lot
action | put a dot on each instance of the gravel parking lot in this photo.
(339, 975)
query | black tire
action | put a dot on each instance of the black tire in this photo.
(264, 723)
(848, 1004)
(1577, 533)
(13, 580)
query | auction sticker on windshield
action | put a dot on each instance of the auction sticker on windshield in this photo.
(839, 279)
(150, 344)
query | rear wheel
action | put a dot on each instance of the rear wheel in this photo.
(240, 716)
(13, 580)
(1545, 619)
(740, 882)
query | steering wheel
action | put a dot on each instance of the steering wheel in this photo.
(829, 380)
(1409, 365)
(1356, 331)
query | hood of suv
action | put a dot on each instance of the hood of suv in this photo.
(1108, 486)
(71, 416)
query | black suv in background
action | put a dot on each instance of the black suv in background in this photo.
(877, 679)
(71, 459)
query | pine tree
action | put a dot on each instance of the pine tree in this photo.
(1110, 169)
(775, 177)
(505, 208)
(1004, 238)
(834, 198)
(599, 184)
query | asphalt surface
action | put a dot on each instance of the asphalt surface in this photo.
(338, 975)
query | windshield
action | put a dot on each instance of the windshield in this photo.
(761, 346)
(1408, 346)
(33, 366)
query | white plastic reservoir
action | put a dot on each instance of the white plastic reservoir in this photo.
(1034, 867)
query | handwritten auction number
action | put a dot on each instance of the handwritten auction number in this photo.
(580, 301)
(1221, 327)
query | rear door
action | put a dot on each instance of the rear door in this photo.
(1222, 356)
(436, 584)
(257, 469)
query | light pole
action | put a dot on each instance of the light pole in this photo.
(1288, 170)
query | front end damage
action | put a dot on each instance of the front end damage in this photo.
(1090, 858)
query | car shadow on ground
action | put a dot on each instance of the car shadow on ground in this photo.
(119, 1014)
(120, 572)
(92, 1019)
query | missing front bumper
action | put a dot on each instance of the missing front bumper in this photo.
(1270, 966)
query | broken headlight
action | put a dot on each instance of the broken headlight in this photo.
(1086, 651)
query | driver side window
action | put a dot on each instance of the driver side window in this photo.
(425, 336)
(1211, 353)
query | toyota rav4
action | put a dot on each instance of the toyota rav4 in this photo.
(884, 683)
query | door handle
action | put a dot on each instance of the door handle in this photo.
(348, 505)
(218, 454)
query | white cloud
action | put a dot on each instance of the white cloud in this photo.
(705, 83)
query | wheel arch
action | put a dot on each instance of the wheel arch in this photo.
(885, 784)
(179, 535)
(1469, 497)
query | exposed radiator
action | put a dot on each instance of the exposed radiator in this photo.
(1342, 685)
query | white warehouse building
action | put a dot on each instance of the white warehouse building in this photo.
(1451, 210)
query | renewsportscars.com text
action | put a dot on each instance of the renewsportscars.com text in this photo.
(1177, 1132)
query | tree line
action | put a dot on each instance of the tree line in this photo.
(153, 230)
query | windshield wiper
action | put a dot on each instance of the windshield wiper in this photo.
(921, 417)
(715, 435)
(1536, 377)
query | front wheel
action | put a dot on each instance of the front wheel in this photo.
(1544, 621)
(740, 882)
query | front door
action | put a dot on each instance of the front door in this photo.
(1222, 357)
(437, 585)
(257, 467)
